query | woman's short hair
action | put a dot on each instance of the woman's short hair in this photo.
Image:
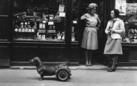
(92, 6)
(116, 12)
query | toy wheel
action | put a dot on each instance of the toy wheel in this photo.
(62, 75)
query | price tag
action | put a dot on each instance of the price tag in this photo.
(51, 31)
(44, 21)
(29, 30)
(32, 30)
(23, 30)
(50, 23)
(44, 26)
(26, 30)
(16, 29)
(19, 30)
(74, 22)
(40, 25)
(61, 8)
(62, 14)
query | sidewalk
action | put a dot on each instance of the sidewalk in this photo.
(82, 67)
(82, 75)
(30, 77)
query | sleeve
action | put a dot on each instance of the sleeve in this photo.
(83, 17)
(99, 21)
(122, 26)
(119, 25)
(107, 28)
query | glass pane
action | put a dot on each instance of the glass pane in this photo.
(4, 7)
(131, 22)
(74, 31)
(39, 20)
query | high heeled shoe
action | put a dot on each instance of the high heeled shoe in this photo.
(86, 63)
(115, 67)
(90, 64)
(111, 70)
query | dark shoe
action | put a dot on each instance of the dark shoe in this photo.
(115, 67)
(90, 64)
(110, 70)
(86, 63)
(109, 64)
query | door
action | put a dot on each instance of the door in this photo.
(78, 9)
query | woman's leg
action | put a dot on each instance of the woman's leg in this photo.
(86, 55)
(111, 66)
(108, 60)
(90, 56)
(114, 63)
(116, 58)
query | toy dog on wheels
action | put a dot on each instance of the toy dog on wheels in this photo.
(61, 71)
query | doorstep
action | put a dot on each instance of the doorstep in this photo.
(82, 67)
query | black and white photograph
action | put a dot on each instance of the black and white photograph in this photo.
(68, 42)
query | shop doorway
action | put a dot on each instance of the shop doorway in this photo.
(98, 56)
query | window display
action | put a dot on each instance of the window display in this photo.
(128, 12)
(131, 23)
(39, 20)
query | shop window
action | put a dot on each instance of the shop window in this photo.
(39, 20)
(128, 12)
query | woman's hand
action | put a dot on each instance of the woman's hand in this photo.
(109, 32)
(112, 30)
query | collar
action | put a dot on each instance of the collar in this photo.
(116, 19)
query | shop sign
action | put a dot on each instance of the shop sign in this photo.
(61, 8)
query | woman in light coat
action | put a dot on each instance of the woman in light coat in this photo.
(114, 30)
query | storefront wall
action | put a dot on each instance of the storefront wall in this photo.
(5, 32)
(52, 41)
